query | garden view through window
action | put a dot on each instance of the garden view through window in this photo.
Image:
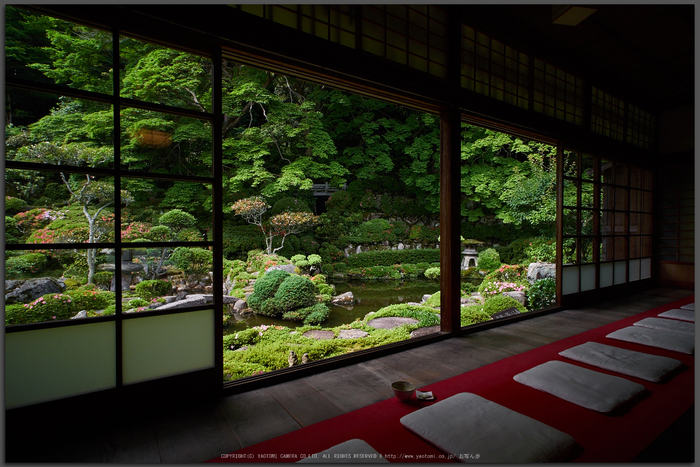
(331, 202)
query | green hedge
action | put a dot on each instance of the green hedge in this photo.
(391, 257)
(151, 289)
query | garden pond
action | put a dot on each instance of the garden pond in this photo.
(369, 296)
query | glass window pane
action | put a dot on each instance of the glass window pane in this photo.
(587, 167)
(571, 164)
(570, 222)
(635, 200)
(570, 192)
(164, 143)
(646, 226)
(607, 197)
(74, 132)
(635, 219)
(647, 201)
(160, 75)
(607, 222)
(635, 246)
(587, 195)
(607, 171)
(621, 174)
(636, 177)
(587, 244)
(606, 249)
(621, 223)
(621, 202)
(54, 285)
(647, 180)
(43, 210)
(169, 211)
(44, 49)
(570, 251)
(621, 247)
(586, 222)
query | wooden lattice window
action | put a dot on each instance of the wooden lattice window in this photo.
(557, 93)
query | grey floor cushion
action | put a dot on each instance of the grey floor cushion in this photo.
(581, 386)
(689, 306)
(672, 325)
(354, 451)
(674, 341)
(678, 313)
(474, 429)
(627, 362)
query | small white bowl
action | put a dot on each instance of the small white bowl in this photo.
(403, 390)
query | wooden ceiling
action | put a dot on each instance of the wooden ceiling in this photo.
(644, 53)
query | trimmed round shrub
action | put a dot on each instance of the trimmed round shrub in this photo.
(177, 219)
(14, 205)
(432, 273)
(192, 260)
(339, 201)
(266, 287)
(542, 293)
(314, 260)
(473, 314)
(28, 263)
(500, 303)
(489, 259)
(89, 297)
(296, 292)
(150, 289)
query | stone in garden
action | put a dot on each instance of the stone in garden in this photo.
(242, 348)
(81, 314)
(358, 249)
(352, 334)
(26, 291)
(537, 271)
(170, 299)
(425, 298)
(519, 296)
(305, 358)
(189, 300)
(390, 322)
(466, 300)
(420, 332)
(240, 305)
(346, 298)
(181, 296)
(319, 335)
(400, 246)
(229, 300)
(512, 311)
(282, 267)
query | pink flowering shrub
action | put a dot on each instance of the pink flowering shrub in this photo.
(489, 288)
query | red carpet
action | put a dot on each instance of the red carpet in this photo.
(618, 437)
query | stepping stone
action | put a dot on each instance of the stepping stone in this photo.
(420, 332)
(320, 335)
(352, 334)
(390, 322)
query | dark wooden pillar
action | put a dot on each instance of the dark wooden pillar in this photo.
(450, 253)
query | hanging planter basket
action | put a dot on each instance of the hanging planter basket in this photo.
(154, 138)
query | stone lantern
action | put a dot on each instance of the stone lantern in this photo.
(470, 257)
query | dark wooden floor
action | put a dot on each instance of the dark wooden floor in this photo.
(204, 430)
